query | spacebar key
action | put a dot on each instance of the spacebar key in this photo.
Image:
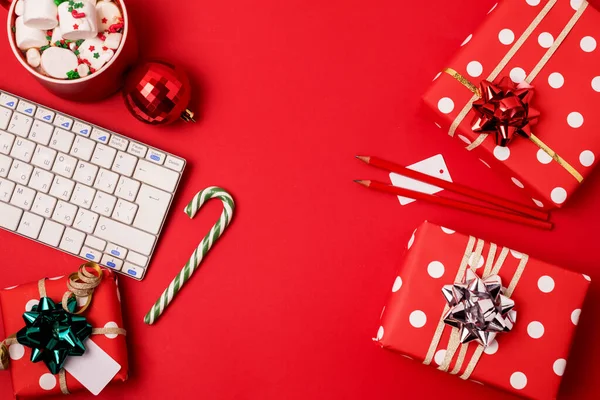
(124, 235)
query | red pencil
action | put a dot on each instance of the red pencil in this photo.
(460, 205)
(455, 187)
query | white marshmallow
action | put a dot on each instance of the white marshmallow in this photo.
(92, 51)
(33, 57)
(40, 14)
(78, 28)
(73, 46)
(19, 8)
(27, 38)
(113, 40)
(56, 62)
(108, 13)
(83, 70)
(56, 35)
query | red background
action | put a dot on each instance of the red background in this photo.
(286, 305)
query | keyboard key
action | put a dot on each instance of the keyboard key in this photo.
(30, 225)
(82, 129)
(43, 157)
(5, 162)
(5, 115)
(83, 196)
(116, 251)
(106, 181)
(156, 176)
(22, 197)
(41, 180)
(137, 259)
(63, 122)
(153, 205)
(86, 221)
(85, 173)
(26, 108)
(22, 150)
(6, 190)
(133, 270)
(64, 213)
(64, 165)
(62, 188)
(44, 115)
(90, 254)
(124, 164)
(125, 211)
(20, 172)
(20, 124)
(95, 243)
(111, 262)
(100, 136)
(118, 142)
(137, 149)
(41, 132)
(156, 156)
(8, 101)
(43, 205)
(104, 204)
(9, 216)
(125, 236)
(176, 164)
(83, 148)
(51, 233)
(127, 189)
(104, 156)
(62, 140)
(6, 142)
(72, 241)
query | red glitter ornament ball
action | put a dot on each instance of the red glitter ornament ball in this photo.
(157, 92)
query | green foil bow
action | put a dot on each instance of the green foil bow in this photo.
(53, 333)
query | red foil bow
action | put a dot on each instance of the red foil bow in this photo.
(504, 110)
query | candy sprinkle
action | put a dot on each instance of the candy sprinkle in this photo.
(73, 75)
(76, 52)
(79, 42)
(44, 48)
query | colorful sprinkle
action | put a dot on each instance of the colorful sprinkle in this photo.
(73, 75)
(75, 26)
(104, 20)
(96, 55)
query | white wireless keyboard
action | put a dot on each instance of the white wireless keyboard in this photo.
(81, 189)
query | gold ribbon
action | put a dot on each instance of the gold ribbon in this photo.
(540, 65)
(80, 284)
(491, 268)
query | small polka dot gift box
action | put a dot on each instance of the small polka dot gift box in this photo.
(64, 334)
(483, 312)
(521, 95)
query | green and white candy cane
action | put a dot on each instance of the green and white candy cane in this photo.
(216, 231)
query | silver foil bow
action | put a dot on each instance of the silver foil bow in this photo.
(479, 308)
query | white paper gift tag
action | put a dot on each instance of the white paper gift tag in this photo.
(95, 369)
(434, 166)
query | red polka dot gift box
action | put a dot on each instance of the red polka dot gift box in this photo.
(89, 338)
(522, 92)
(483, 312)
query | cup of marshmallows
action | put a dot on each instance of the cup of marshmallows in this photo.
(78, 49)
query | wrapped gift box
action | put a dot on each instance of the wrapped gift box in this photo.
(529, 360)
(511, 41)
(32, 380)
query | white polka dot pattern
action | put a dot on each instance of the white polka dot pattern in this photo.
(480, 262)
(417, 319)
(518, 75)
(501, 153)
(575, 316)
(411, 240)
(517, 182)
(535, 329)
(47, 381)
(559, 366)
(556, 80)
(518, 380)
(492, 348)
(543, 157)
(439, 356)
(575, 119)
(446, 105)
(588, 44)
(587, 277)
(586, 158)
(493, 8)
(111, 325)
(397, 284)
(16, 351)
(546, 284)
(435, 269)
(448, 231)
(474, 68)
(538, 203)
(596, 84)
(533, 2)
(380, 333)
(558, 195)
(467, 40)
(506, 36)
(31, 303)
(546, 40)
(575, 4)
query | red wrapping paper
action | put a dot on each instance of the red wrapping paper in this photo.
(104, 311)
(546, 295)
(568, 84)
